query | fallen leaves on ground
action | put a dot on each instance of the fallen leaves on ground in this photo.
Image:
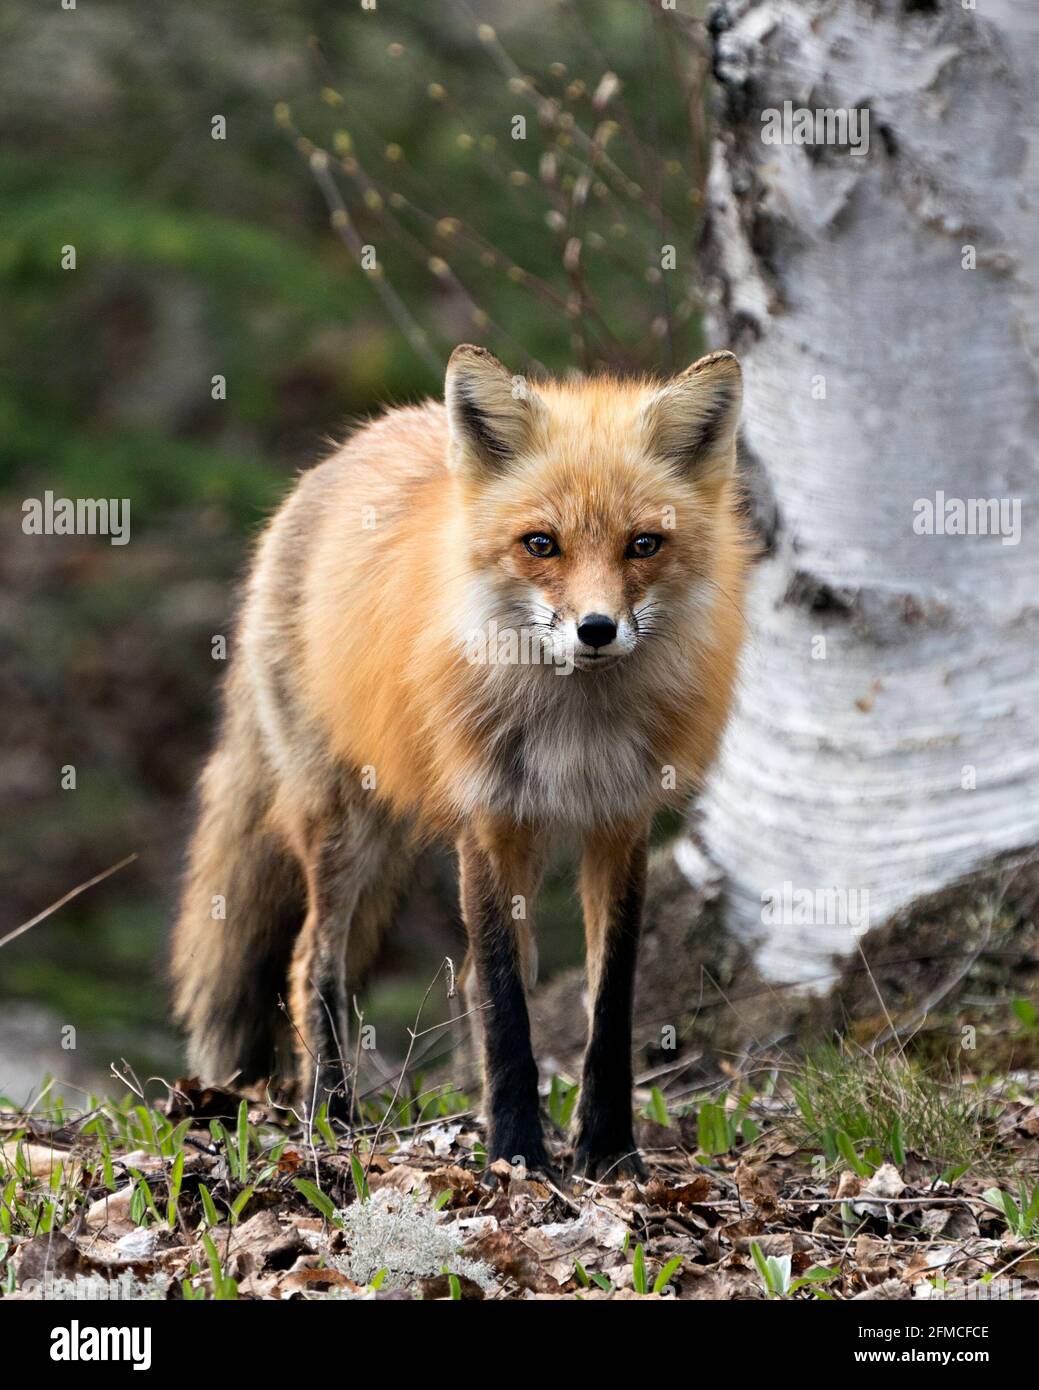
(697, 1229)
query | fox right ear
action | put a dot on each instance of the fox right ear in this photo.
(691, 421)
(492, 415)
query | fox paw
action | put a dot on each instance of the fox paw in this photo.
(330, 1090)
(609, 1164)
(524, 1151)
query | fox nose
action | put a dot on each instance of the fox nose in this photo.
(596, 630)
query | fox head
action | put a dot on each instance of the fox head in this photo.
(588, 509)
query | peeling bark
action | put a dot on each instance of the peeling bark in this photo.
(853, 770)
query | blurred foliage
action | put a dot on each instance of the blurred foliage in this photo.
(198, 257)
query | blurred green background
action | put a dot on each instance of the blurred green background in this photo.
(239, 258)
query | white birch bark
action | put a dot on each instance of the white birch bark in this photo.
(908, 755)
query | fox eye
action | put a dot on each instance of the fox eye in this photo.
(642, 547)
(537, 543)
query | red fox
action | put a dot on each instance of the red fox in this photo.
(493, 619)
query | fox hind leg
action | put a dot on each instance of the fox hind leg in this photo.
(354, 873)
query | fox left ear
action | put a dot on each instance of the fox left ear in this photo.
(691, 422)
(492, 415)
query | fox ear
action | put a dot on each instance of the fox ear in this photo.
(691, 422)
(491, 414)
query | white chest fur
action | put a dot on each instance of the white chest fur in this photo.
(570, 750)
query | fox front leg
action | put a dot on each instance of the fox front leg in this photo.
(613, 878)
(498, 880)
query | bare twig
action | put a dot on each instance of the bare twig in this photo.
(413, 1033)
(73, 893)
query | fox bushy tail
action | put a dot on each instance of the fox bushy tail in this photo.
(242, 904)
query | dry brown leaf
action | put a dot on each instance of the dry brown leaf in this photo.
(952, 1222)
(51, 1256)
(887, 1184)
(308, 1280)
(264, 1243)
(42, 1160)
(873, 1259)
(403, 1178)
(889, 1289)
(719, 1285)
(111, 1213)
(559, 1244)
(848, 1185)
(189, 1099)
(659, 1194)
(512, 1258)
(439, 1286)
(757, 1188)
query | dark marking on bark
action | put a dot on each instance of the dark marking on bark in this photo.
(808, 591)
(760, 506)
(889, 140)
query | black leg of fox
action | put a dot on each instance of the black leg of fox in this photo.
(613, 876)
(497, 873)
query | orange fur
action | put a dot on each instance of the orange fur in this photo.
(381, 663)
(359, 720)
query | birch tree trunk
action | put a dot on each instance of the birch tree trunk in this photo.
(886, 738)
